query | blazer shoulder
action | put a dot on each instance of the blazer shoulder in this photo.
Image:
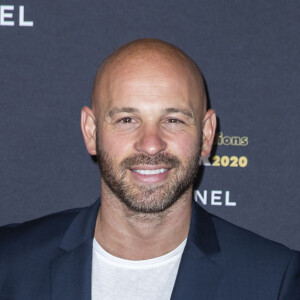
(42, 220)
(240, 240)
(44, 231)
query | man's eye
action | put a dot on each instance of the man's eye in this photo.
(174, 121)
(126, 120)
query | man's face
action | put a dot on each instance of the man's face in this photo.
(148, 134)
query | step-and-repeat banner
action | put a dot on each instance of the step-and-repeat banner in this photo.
(249, 54)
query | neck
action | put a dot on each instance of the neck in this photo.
(137, 236)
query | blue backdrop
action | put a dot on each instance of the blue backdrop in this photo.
(249, 54)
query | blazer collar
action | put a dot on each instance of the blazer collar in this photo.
(202, 232)
(82, 228)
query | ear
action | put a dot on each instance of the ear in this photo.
(88, 128)
(209, 124)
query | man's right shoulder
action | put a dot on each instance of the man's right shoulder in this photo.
(46, 231)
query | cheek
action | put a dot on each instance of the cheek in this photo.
(115, 145)
(184, 145)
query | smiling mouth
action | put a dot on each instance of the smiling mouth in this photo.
(151, 172)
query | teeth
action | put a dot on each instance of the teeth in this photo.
(150, 172)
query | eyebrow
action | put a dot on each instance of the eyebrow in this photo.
(179, 110)
(168, 110)
(118, 110)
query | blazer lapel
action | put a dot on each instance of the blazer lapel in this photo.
(71, 272)
(198, 275)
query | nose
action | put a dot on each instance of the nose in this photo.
(150, 141)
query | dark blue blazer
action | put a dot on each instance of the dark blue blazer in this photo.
(51, 258)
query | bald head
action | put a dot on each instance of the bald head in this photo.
(148, 99)
(143, 52)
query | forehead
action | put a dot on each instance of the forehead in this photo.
(156, 82)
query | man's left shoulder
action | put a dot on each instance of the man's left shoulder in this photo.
(240, 242)
(267, 267)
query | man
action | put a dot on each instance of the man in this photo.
(148, 127)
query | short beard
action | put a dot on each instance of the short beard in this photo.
(145, 198)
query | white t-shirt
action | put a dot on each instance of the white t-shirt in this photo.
(114, 278)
